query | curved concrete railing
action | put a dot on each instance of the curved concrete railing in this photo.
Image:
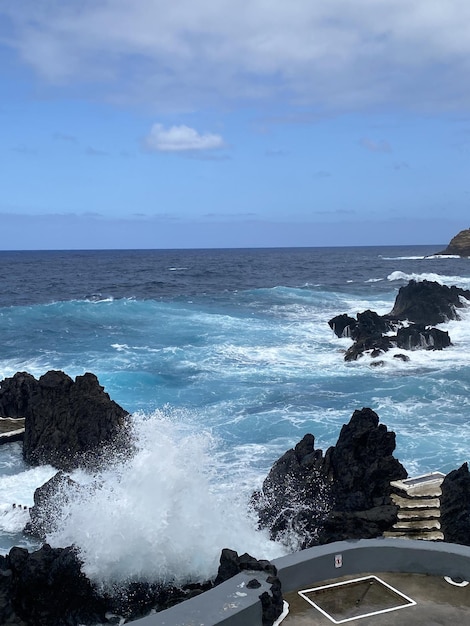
(232, 604)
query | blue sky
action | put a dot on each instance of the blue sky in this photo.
(228, 123)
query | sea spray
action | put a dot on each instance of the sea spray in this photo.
(160, 516)
(17, 486)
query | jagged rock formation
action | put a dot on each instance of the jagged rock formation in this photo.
(417, 336)
(427, 302)
(48, 499)
(459, 245)
(232, 564)
(67, 423)
(455, 506)
(343, 494)
(47, 587)
(424, 304)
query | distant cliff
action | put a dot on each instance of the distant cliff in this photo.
(460, 244)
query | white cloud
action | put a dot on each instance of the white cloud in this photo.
(376, 146)
(329, 53)
(181, 139)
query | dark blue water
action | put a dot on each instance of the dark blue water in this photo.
(44, 276)
(231, 346)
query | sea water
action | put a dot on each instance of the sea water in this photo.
(225, 360)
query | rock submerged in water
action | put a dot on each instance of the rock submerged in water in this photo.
(421, 304)
(309, 498)
(68, 423)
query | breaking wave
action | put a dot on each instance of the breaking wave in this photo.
(162, 515)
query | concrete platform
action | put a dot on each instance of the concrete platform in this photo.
(415, 568)
(437, 603)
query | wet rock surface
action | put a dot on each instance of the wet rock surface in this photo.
(49, 498)
(67, 423)
(47, 588)
(427, 302)
(455, 506)
(344, 494)
(271, 602)
(418, 307)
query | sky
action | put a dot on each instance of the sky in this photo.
(233, 123)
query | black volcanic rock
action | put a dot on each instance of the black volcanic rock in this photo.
(231, 564)
(49, 498)
(376, 343)
(455, 506)
(370, 324)
(47, 588)
(296, 495)
(459, 245)
(67, 423)
(417, 336)
(342, 325)
(427, 302)
(342, 495)
(424, 304)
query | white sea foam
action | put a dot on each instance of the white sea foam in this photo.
(162, 515)
(404, 258)
(18, 489)
(459, 281)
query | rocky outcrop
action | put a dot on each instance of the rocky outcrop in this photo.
(418, 337)
(47, 587)
(459, 245)
(418, 307)
(232, 564)
(48, 499)
(309, 498)
(67, 423)
(455, 506)
(427, 302)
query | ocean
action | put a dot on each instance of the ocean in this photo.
(225, 359)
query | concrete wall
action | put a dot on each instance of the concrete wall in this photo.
(366, 556)
(232, 604)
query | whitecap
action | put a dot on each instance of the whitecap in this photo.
(459, 281)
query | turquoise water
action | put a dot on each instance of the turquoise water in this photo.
(229, 352)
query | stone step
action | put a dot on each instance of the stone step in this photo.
(418, 514)
(431, 535)
(415, 525)
(421, 491)
(427, 485)
(418, 503)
